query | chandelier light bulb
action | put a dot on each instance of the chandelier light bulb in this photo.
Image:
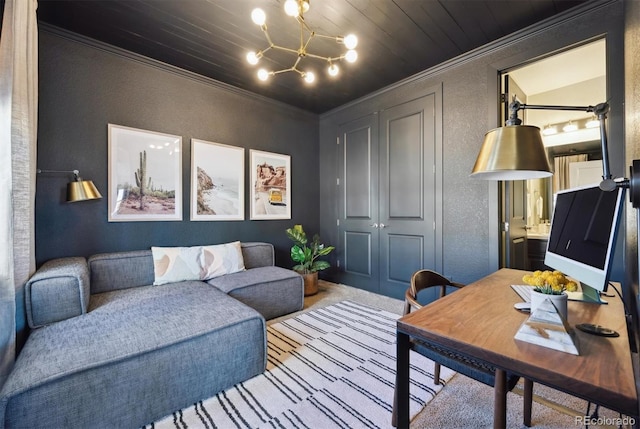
(333, 70)
(252, 58)
(549, 130)
(258, 16)
(291, 8)
(350, 41)
(351, 56)
(263, 75)
(309, 77)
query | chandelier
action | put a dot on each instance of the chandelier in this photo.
(296, 9)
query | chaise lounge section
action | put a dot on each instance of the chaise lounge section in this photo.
(109, 349)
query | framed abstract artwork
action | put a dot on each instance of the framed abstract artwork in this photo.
(217, 181)
(270, 185)
(145, 175)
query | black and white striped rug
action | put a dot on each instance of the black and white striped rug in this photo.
(333, 367)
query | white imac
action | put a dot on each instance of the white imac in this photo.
(582, 239)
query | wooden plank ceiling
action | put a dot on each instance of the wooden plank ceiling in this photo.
(397, 38)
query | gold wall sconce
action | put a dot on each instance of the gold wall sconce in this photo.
(516, 152)
(77, 189)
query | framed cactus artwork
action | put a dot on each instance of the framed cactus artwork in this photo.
(145, 175)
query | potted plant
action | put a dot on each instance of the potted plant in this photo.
(550, 285)
(306, 255)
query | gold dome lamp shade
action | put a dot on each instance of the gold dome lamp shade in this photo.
(513, 152)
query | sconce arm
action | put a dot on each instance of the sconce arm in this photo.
(600, 110)
(76, 173)
(515, 106)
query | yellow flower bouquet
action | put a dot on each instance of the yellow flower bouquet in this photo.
(550, 282)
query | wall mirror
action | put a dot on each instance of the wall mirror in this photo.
(577, 77)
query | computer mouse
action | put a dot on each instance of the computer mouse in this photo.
(522, 306)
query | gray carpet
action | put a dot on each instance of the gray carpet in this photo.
(465, 403)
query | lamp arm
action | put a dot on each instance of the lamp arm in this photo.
(600, 110)
(515, 106)
(607, 183)
(76, 173)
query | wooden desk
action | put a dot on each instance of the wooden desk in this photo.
(479, 321)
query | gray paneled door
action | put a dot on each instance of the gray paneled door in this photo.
(388, 188)
(358, 188)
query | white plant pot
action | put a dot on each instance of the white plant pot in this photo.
(559, 302)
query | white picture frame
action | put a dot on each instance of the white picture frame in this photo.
(217, 181)
(270, 185)
(157, 159)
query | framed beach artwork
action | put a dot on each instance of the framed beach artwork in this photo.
(270, 185)
(217, 181)
(145, 175)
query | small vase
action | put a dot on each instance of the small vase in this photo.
(559, 302)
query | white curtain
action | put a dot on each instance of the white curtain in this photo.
(18, 130)
(561, 170)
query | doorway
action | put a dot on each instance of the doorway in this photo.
(576, 77)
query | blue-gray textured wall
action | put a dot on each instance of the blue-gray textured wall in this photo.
(470, 103)
(85, 86)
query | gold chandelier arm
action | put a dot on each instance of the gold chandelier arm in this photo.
(282, 48)
(263, 27)
(290, 69)
(303, 24)
(293, 68)
(324, 36)
(320, 57)
(300, 19)
(261, 52)
(303, 49)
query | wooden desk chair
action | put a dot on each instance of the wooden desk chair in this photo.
(477, 370)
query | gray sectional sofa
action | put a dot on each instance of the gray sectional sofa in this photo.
(110, 350)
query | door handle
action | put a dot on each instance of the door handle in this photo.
(374, 225)
(382, 226)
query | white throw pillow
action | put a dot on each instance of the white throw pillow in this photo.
(221, 259)
(175, 264)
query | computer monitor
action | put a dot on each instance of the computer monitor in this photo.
(582, 238)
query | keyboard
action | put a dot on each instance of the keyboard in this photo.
(524, 291)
